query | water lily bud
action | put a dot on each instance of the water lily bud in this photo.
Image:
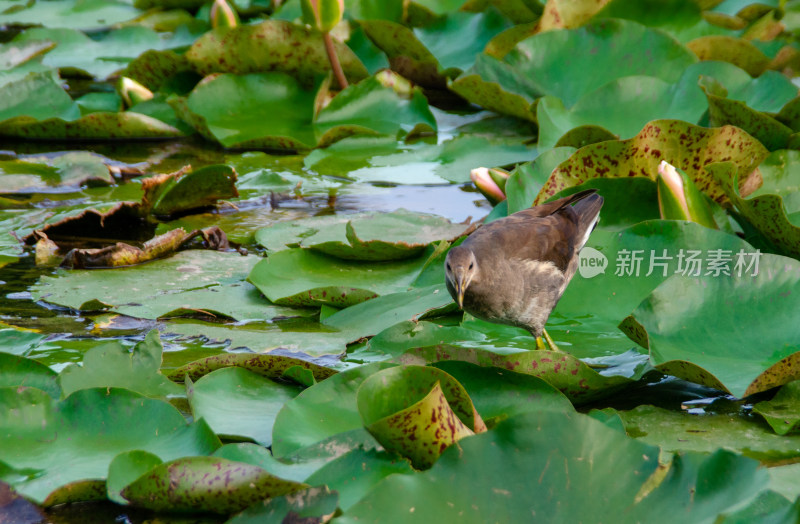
(679, 198)
(132, 92)
(223, 15)
(486, 185)
(500, 177)
(323, 15)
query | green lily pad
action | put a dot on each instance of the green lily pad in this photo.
(237, 403)
(206, 484)
(781, 412)
(307, 505)
(545, 64)
(362, 236)
(300, 277)
(76, 439)
(756, 301)
(181, 192)
(113, 365)
(269, 366)
(686, 146)
(638, 100)
(428, 55)
(154, 68)
(680, 431)
(321, 411)
(37, 95)
(193, 282)
(260, 110)
(99, 126)
(451, 160)
(383, 104)
(98, 58)
(355, 473)
(125, 468)
(590, 456)
(70, 13)
(19, 342)
(272, 45)
(25, 372)
(499, 393)
(373, 316)
(306, 341)
(768, 507)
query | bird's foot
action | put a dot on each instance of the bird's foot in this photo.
(551, 345)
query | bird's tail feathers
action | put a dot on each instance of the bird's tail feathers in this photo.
(588, 210)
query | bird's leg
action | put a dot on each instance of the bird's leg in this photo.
(550, 341)
(547, 338)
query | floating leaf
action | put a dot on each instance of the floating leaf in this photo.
(781, 412)
(272, 45)
(77, 438)
(355, 473)
(373, 316)
(363, 236)
(181, 191)
(125, 468)
(69, 13)
(61, 173)
(737, 51)
(307, 505)
(114, 365)
(206, 484)
(237, 403)
(321, 411)
(756, 292)
(191, 282)
(589, 458)
(680, 431)
(302, 277)
(269, 366)
(683, 145)
(546, 63)
(25, 372)
(575, 379)
(417, 412)
(772, 209)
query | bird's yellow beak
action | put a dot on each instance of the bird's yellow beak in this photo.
(460, 288)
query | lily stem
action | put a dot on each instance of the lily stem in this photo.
(335, 65)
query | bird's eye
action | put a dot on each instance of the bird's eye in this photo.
(470, 265)
(448, 267)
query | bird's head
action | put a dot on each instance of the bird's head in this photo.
(460, 268)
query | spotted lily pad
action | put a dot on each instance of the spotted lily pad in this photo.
(575, 379)
(756, 302)
(269, 366)
(773, 208)
(272, 45)
(417, 412)
(363, 236)
(781, 412)
(207, 484)
(686, 146)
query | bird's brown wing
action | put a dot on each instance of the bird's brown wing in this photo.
(526, 236)
(548, 232)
